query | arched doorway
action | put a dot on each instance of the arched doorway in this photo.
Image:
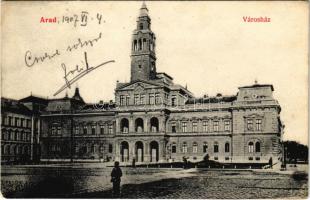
(154, 151)
(139, 127)
(124, 151)
(154, 124)
(139, 151)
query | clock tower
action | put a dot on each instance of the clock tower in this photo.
(143, 59)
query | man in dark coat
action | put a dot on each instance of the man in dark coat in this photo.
(116, 175)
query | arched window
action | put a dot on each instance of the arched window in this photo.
(144, 44)
(195, 147)
(227, 149)
(257, 147)
(141, 26)
(251, 147)
(154, 124)
(174, 148)
(124, 125)
(139, 125)
(184, 147)
(135, 45)
(140, 45)
(216, 147)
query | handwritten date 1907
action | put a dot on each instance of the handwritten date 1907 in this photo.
(78, 73)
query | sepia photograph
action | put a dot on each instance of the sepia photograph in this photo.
(154, 99)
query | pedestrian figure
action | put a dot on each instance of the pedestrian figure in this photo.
(116, 175)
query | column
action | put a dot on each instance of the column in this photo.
(146, 152)
(145, 124)
(131, 125)
(32, 137)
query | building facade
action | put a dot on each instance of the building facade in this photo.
(154, 120)
(20, 130)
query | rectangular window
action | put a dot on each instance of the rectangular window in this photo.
(93, 130)
(21, 122)
(77, 131)
(110, 129)
(53, 130)
(215, 126)
(195, 126)
(226, 158)
(29, 123)
(122, 100)
(227, 125)
(174, 149)
(101, 129)
(216, 148)
(205, 126)
(127, 100)
(250, 124)
(16, 121)
(184, 127)
(258, 124)
(184, 148)
(157, 98)
(59, 130)
(136, 99)
(173, 127)
(195, 148)
(10, 121)
(142, 99)
(85, 130)
(216, 158)
(151, 99)
(174, 101)
(110, 148)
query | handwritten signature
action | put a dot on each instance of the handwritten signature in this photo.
(31, 60)
(80, 73)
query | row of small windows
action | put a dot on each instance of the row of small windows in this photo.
(81, 149)
(184, 147)
(143, 44)
(139, 125)
(15, 136)
(139, 99)
(15, 150)
(85, 130)
(250, 124)
(16, 121)
(206, 127)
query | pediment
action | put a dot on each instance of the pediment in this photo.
(138, 86)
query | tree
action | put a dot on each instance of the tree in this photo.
(296, 151)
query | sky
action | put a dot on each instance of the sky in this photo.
(204, 45)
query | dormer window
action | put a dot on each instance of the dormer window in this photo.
(141, 26)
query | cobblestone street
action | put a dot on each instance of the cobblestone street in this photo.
(216, 184)
(93, 181)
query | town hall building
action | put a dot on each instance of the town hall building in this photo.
(154, 120)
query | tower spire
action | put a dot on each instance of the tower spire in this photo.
(143, 10)
(143, 59)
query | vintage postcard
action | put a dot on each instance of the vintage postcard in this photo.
(154, 99)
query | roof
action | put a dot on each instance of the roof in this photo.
(10, 105)
(212, 99)
(34, 99)
(258, 86)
